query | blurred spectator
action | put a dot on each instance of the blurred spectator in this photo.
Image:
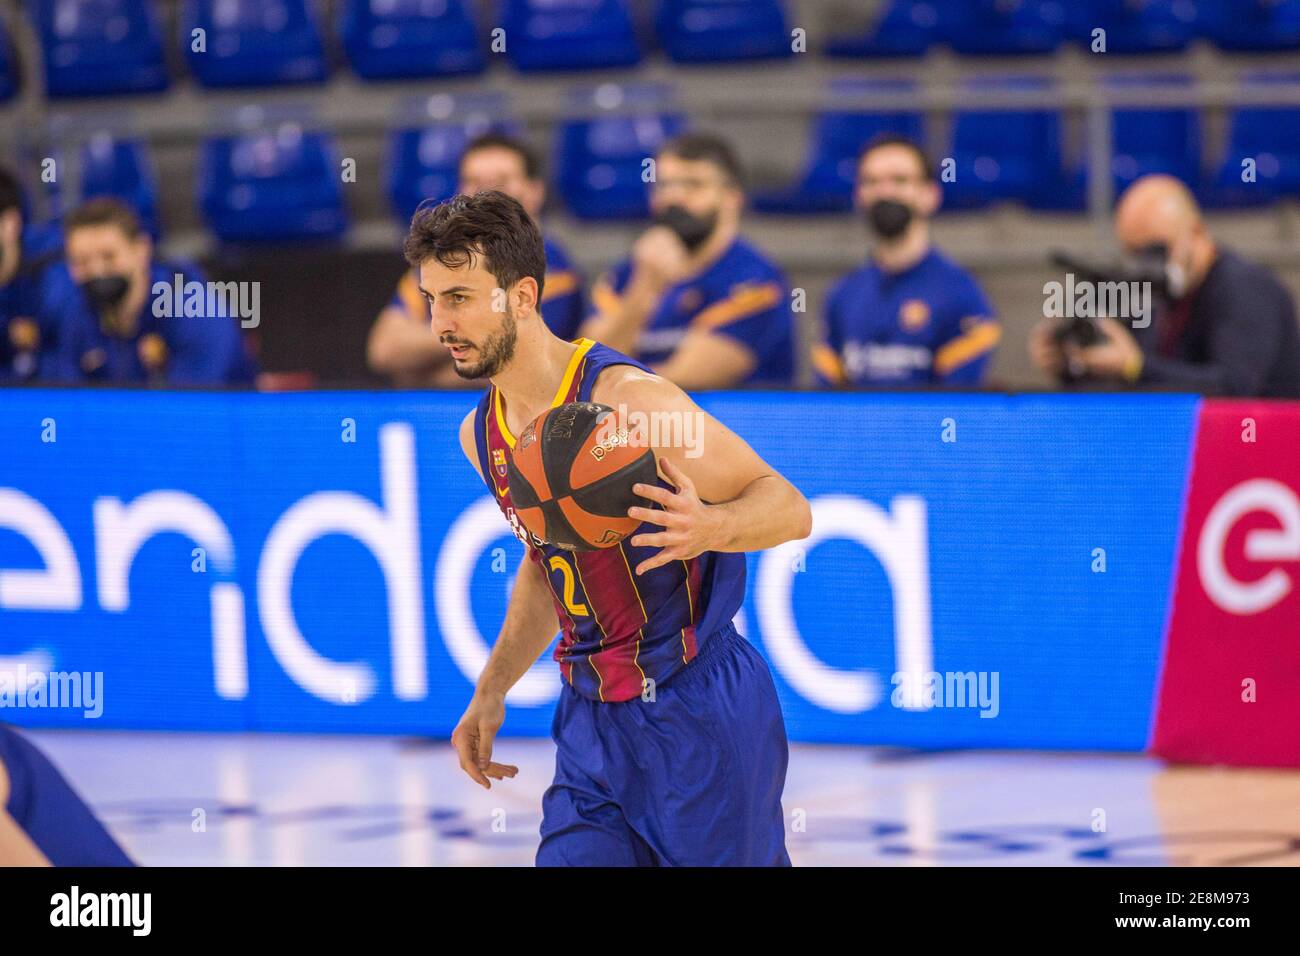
(696, 301)
(131, 319)
(401, 344)
(1228, 326)
(910, 316)
(29, 282)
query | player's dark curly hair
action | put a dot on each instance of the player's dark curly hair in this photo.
(489, 225)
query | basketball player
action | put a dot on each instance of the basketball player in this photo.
(671, 747)
(42, 820)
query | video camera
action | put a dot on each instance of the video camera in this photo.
(1146, 273)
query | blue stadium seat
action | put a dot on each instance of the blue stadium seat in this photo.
(826, 183)
(1139, 26)
(423, 164)
(703, 31)
(121, 168)
(8, 67)
(253, 42)
(1005, 27)
(600, 162)
(276, 185)
(1147, 140)
(569, 34)
(395, 39)
(1007, 155)
(1155, 140)
(100, 47)
(1271, 137)
(1253, 25)
(903, 28)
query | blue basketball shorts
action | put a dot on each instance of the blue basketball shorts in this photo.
(49, 810)
(691, 778)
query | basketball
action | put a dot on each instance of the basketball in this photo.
(571, 477)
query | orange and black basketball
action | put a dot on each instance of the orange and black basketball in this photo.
(571, 476)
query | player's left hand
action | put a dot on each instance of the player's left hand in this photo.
(690, 526)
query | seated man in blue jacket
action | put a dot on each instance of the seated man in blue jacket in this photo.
(696, 300)
(909, 316)
(134, 320)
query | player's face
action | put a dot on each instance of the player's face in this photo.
(471, 316)
(96, 252)
(495, 167)
(895, 172)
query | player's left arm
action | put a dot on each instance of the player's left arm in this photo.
(727, 498)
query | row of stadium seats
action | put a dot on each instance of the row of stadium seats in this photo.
(286, 183)
(1013, 27)
(1019, 156)
(105, 47)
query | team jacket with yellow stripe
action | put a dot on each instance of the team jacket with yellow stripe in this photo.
(927, 325)
(742, 295)
(618, 629)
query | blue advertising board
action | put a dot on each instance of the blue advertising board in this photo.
(984, 570)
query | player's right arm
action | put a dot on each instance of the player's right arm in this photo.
(529, 628)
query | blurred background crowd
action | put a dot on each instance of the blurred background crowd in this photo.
(766, 193)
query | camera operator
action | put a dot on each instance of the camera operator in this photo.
(1227, 327)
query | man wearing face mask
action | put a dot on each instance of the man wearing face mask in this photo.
(29, 283)
(1229, 327)
(122, 325)
(910, 316)
(696, 301)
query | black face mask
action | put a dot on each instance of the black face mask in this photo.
(105, 292)
(691, 229)
(889, 218)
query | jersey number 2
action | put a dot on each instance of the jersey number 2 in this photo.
(558, 563)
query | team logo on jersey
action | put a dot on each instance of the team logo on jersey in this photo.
(152, 351)
(24, 334)
(690, 300)
(499, 461)
(913, 315)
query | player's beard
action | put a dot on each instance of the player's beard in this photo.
(495, 352)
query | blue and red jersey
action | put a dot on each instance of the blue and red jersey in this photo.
(619, 630)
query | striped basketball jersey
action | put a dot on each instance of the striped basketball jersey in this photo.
(619, 630)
